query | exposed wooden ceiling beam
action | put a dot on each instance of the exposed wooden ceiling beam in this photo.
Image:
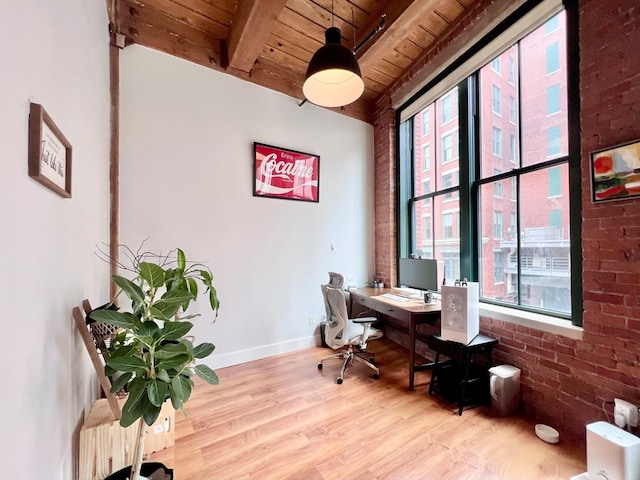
(402, 17)
(250, 30)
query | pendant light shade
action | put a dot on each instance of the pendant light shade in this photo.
(333, 75)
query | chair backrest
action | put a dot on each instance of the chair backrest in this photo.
(335, 303)
(336, 279)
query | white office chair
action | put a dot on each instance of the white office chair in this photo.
(341, 331)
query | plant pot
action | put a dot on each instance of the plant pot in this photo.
(150, 470)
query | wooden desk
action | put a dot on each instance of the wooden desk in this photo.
(412, 313)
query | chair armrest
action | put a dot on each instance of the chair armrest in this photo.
(364, 320)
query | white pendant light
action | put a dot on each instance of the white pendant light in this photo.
(333, 76)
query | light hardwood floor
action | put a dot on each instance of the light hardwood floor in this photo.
(282, 418)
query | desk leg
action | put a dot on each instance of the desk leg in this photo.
(434, 374)
(412, 351)
(463, 392)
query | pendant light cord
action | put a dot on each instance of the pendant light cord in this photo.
(332, 14)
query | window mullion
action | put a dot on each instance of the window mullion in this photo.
(404, 177)
(467, 99)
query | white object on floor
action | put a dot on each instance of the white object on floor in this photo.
(612, 453)
(547, 433)
(582, 476)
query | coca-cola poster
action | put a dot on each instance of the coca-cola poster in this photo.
(282, 173)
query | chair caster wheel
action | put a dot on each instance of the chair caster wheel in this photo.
(339, 380)
(319, 366)
(376, 376)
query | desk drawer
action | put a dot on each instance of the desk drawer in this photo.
(382, 307)
(364, 301)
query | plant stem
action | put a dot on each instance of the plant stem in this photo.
(137, 464)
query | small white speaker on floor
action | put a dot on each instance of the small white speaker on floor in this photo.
(612, 454)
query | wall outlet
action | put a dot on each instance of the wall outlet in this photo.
(625, 413)
(312, 320)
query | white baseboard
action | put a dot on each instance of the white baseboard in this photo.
(263, 351)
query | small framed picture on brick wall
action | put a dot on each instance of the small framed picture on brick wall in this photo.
(615, 172)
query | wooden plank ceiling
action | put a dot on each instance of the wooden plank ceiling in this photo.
(270, 42)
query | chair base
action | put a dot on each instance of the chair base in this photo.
(349, 356)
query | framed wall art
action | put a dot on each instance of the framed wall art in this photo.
(615, 172)
(288, 174)
(49, 152)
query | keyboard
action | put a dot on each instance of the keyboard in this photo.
(393, 296)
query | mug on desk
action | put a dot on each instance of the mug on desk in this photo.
(428, 297)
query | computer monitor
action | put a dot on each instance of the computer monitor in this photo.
(420, 273)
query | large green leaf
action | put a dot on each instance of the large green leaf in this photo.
(140, 407)
(171, 350)
(149, 329)
(213, 299)
(206, 277)
(126, 363)
(203, 350)
(157, 392)
(136, 402)
(111, 317)
(152, 273)
(119, 383)
(193, 286)
(156, 314)
(145, 341)
(151, 413)
(176, 361)
(133, 291)
(181, 387)
(207, 374)
(181, 259)
(175, 330)
(171, 302)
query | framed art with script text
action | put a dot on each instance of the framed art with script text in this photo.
(615, 172)
(49, 152)
(288, 174)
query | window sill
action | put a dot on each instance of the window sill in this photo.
(538, 321)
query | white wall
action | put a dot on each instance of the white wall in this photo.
(54, 53)
(186, 165)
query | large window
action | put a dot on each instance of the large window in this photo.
(526, 263)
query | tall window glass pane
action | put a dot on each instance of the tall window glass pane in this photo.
(436, 168)
(544, 242)
(546, 135)
(498, 281)
(447, 236)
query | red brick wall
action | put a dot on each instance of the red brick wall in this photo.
(564, 381)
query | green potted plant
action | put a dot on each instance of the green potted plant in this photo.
(152, 356)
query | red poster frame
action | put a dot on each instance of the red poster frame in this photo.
(285, 173)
